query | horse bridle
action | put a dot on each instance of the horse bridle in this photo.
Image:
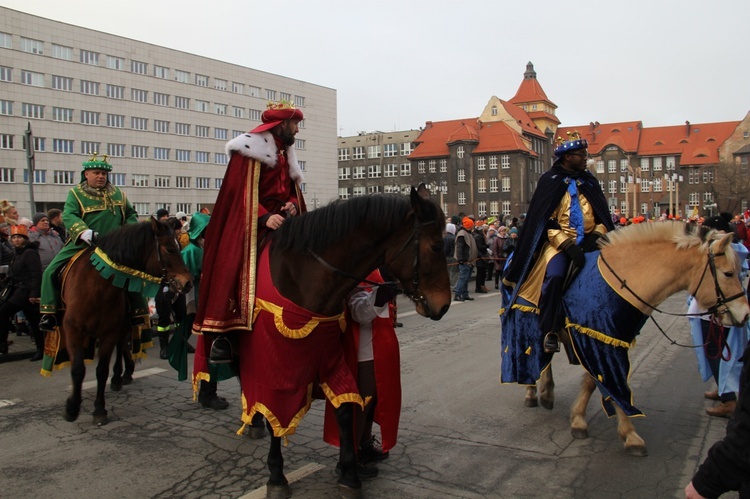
(721, 300)
(415, 294)
(165, 279)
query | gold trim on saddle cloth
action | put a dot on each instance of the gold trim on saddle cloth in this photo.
(299, 333)
(126, 270)
(598, 335)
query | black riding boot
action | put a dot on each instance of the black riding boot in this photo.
(208, 398)
(163, 343)
(39, 340)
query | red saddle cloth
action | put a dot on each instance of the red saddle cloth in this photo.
(288, 352)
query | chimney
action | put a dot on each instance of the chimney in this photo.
(687, 128)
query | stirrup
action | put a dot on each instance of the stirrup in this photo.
(221, 351)
(48, 322)
(551, 343)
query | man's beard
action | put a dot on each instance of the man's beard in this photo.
(287, 137)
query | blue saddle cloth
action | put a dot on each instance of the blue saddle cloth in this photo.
(603, 327)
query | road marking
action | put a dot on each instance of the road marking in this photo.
(138, 374)
(292, 477)
(6, 403)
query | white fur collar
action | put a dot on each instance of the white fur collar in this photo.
(262, 147)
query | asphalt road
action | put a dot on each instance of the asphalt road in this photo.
(462, 433)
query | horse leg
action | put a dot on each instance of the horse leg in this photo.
(116, 383)
(547, 392)
(349, 483)
(77, 373)
(102, 372)
(127, 357)
(531, 400)
(277, 486)
(634, 444)
(257, 428)
(579, 428)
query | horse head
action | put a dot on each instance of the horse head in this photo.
(719, 289)
(419, 262)
(166, 260)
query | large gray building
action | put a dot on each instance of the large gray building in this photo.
(162, 116)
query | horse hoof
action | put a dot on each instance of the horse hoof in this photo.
(579, 433)
(637, 451)
(547, 404)
(116, 387)
(278, 491)
(256, 432)
(126, 380)
(531, 402)
(69, 417)
(347, 492)
(101, 419)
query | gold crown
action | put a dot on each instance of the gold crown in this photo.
(574, 135)
(282, 104)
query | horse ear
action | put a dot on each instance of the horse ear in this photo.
(155, 225)
(723, 243)
(422, 191)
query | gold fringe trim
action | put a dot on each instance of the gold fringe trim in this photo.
(597, 335)
(278, 430)
(197, 378)
(526, 308)
(126, 270)
(299, 333)
(337, 400)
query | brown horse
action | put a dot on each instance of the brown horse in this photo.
(316, 260)
(609, 302)
(98, 310)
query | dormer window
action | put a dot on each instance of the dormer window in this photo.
(494, 110)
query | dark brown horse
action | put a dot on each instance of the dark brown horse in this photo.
(316, 260)
(97, 310)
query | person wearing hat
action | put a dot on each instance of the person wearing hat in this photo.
(49, 241)
(262, 185)
(161, 215)
(182, 234)
(465, 255)
(92, 207)
(25, 274)
(568, 212)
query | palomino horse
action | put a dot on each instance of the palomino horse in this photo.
(636, 269)
(315, 260)
(97, 309)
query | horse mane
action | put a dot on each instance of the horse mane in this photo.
(319, 229)
(128, 245)
(681, 234)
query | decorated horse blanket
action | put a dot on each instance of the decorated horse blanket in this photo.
(602, 325)
(290, 353)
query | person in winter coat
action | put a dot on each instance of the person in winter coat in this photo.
(25, 275)
(49, 240)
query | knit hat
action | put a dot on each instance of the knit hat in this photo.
(467, 223)
(161, 212)
(718, 223)
(19, 230)
(38, 217)
(513, 230)
(180, 215)
(450, 228)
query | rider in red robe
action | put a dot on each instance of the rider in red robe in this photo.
(261, 187)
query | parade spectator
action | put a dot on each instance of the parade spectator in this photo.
(49, 241)
(9, 212)
(466, 254)
(161, 215)
(170, 306)
(490, 237)
(482, 261)
(499, 256)
(182, 234)
(25, 275)
(262, 166)
(56, 223)
(449, 245)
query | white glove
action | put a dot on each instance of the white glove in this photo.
(86, 236)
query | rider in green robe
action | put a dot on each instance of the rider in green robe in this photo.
(93, 207)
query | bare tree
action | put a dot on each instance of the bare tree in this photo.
(731, 185)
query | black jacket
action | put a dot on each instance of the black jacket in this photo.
(26, 273)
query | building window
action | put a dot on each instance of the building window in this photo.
(220, 84)
(182, 102)
(161, 72)
(624, 165)
(161, 153)
(494, 209)
(220, 133)
(139, 180)
(505, 184)
(671, 163)
(657, 164)
(406, 169)
(116, 150)
(161, 99)
(391, 170)
(343, 154)
(139, 95)
(201, 80)
(140, 68)
(220, 109)
(343, 193)
(40, 176)
(299, 101)
(62, 146)
(220, 158)
(62, 52)
(141, 208)
(182, 155)
(238, 88)
(161, 181)
(420, 168)
(493, 184)
(238, 112)
(62, 83)
(6, 73)
(612, 166)
(219, 181)
(88, 148)
(139, 123)
(493, 162)
(40, 144)
(182, 128)
(32, 46)
(113, 91)
(506, 208)
(140, 152)
(623, 187)
(373, 189)
(431, 165)
(201, 131)
(373, 171)
(285, 97)
(181, 76)
(505, 161)
(32, 111)
(62, 114)
(358, 190)
(358, 152)
(253, 91)
(599, 166)
(373, 152)
(201, 156)
(117, 179)
(657, 185)
(6, 107)
(255, 114)
(117, 63)
(182, 182)
(116, 120)
(299, 144)
(612, 186)
(202, 183)
(89, 118)
(461, 174)
(32, 78)
(482, 208)
(460, 152)
(481, 185)
(201, 106)
(270, 94)
(65, 177)
(390, 150)
(644, 165)
(443, 165)
(6, 40)
(708, 176)
(481, 163)
(344, 173)
(89, 87)
(406, 148)
(359, 172)
(6, 141)
(88, 57)
(461, 198)
(161, 126)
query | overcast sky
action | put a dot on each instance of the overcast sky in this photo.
(398, 63)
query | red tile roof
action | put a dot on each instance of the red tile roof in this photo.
(530, 91)
(696, 144)
(433, 141)
(500, 137)
(523, 119)
(625, 135)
